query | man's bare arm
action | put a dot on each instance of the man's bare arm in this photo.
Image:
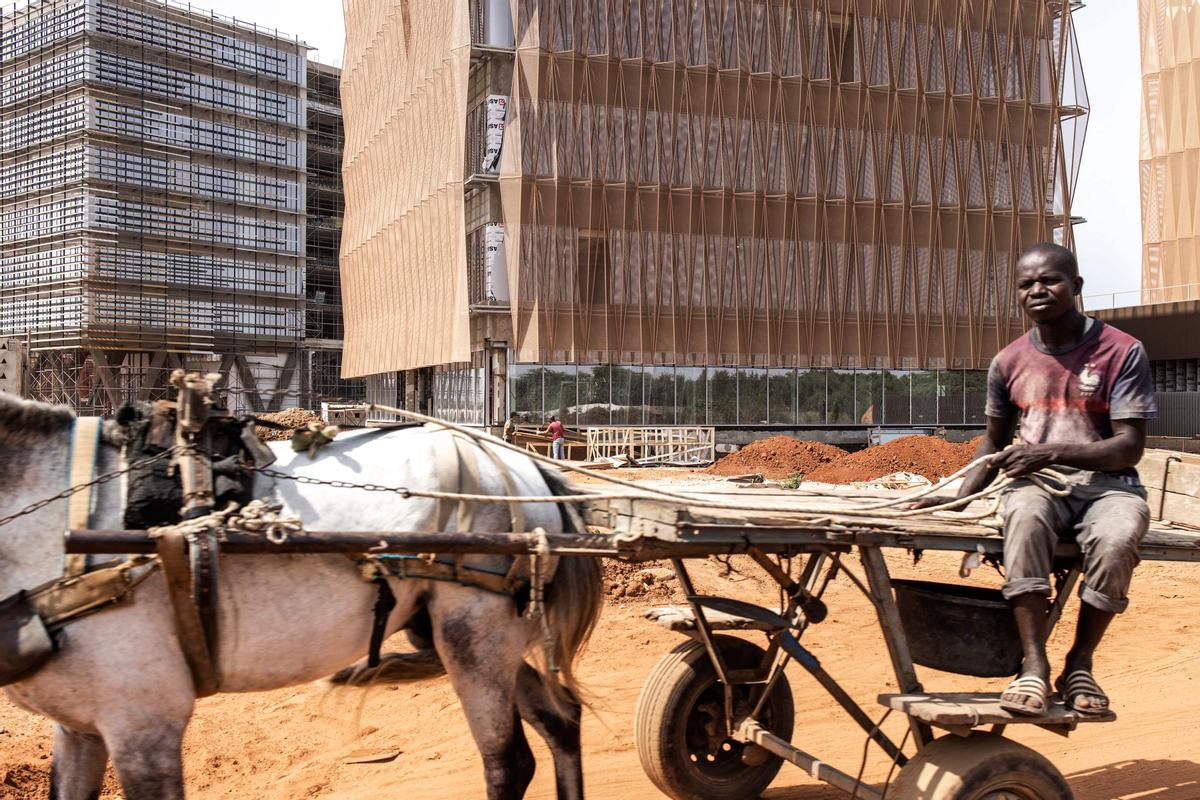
(1122, 451)
(1000, 432)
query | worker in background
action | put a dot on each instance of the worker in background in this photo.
(510, 428)
(558, 435)
(1081, 391)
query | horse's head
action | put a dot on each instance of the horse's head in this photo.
(155, 494)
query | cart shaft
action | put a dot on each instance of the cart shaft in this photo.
(751, 731)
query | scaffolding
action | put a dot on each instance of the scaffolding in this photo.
(326, 207)
(152, 200)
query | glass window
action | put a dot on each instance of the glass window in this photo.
(561, 398)
(841, 397)
(897, 398)
(868, 397)
(595, 385)
(627, 395)
(525, 392)
(781, 396)
(752, 396)
(722, 397)
(660, 395)
(975, 387)
(689, 396)
(810, 396)
(950, 397)
(924, 398)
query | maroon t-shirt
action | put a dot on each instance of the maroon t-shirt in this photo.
(1073, 394)
(555, 429)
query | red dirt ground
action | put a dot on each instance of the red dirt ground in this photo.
(294, 743)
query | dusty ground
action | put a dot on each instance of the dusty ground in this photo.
(298, 743)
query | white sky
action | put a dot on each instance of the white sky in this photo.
(317, 22)
(1107, 193)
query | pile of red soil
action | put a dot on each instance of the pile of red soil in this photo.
(777, 458)
(929, 456)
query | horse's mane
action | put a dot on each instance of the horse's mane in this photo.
(26, 422)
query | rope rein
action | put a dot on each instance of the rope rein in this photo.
(1052, 481)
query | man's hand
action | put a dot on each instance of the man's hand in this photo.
(933, 500)
(1024, 459)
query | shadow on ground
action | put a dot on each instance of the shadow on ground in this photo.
(1158, 779)
(806, 792)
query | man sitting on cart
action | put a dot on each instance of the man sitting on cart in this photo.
(1081, 392)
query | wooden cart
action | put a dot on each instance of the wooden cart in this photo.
(716, 717)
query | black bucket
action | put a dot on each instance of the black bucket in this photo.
(968, 630)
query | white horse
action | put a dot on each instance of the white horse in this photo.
(120, 689)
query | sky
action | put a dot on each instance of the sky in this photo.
(1107, 194)
(316, 22)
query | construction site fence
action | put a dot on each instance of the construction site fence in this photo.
(663, 444)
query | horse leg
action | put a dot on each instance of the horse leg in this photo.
(558, 724)
(77, 769)
(148, 758)
(482, 645)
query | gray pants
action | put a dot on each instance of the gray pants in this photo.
(1107, 516)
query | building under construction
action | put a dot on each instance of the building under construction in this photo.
(724, 212)
(152, 200)
(326, 204)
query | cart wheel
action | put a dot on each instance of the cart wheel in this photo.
(680, 722)
(982, 766)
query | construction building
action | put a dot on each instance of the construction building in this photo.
(326, 204)
(1170, 150)
(152, 200)
(1166, 318)
(725, 212)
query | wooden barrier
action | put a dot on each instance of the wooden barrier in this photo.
(1172, 482)
(664, 444)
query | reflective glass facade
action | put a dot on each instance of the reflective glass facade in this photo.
(746, 397)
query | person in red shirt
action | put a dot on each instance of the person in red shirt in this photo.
(558, 435)
(1081, 392)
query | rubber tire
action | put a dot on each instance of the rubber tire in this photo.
(673, 686)
(954, 768)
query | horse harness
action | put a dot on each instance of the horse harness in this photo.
(187, 552)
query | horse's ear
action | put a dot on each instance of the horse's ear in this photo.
(127, 414)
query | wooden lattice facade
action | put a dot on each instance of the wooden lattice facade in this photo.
(1170, 150)
(757, 183)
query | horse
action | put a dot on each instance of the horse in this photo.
(119, 687)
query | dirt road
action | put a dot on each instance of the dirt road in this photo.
(298, 743)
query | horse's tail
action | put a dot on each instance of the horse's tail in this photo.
(573, 601)
(572, 607)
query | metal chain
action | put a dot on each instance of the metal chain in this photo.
(368, 487)
(79, 487)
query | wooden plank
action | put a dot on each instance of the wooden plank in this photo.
(682, 619)
(141, 542)
(968, 710)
